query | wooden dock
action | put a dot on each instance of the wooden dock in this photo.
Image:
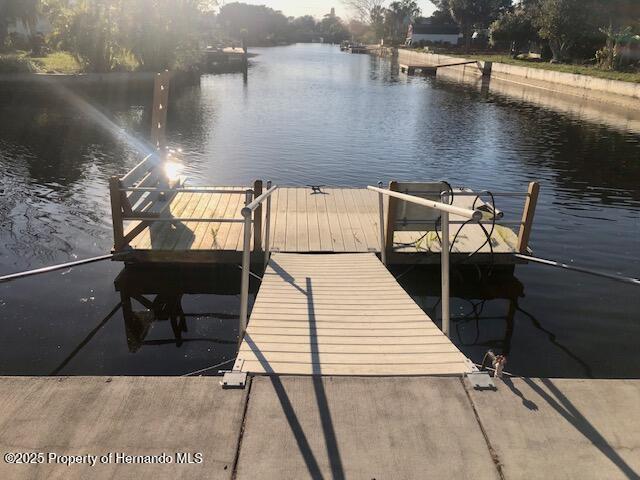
(335, 220)
(431, 69)
(412, 68)
(341, 314)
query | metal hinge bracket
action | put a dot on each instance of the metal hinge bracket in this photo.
(481, 380)
(235, 378)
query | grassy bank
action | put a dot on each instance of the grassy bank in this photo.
(558, 67)
(56, 62)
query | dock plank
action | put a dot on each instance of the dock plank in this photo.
(351, 241)
(326, 242)
(291, 241)
(313, 221)
(302, 220)
(201, 231)
(364, 230)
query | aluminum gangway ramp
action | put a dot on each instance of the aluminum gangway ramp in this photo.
(341, 314)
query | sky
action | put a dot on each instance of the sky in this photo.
(318, 8)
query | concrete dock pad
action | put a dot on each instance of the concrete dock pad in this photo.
(563, 429)
(298, 427)
(134, 416)
(362, 428)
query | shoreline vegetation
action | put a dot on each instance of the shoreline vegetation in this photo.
(64, 63)
(103, 36)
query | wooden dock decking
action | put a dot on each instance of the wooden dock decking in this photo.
(337, 220)
(341, 314)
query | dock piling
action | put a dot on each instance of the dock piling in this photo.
(527, 217)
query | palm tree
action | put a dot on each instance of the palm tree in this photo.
(401, 13)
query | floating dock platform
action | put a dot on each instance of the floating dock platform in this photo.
(158, 224)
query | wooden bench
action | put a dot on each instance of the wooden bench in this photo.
(131, 198)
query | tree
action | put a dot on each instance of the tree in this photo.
(609, 57)
(362, 9)
(159, 32)
(376, 20)
(303, 29)
(92, 33)
(263, 25)
(11, 11)
(332, 29)
(562, 23)
(472, 14)
(619, 22)
(515, 29)
(398, 17)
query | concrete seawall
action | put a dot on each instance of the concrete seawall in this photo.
(625, 94)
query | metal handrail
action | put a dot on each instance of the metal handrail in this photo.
(259, 200)
(446, 209)
(183, 220)
(181, 190)
(475, 215)
(463, 193)
(247, 212)
(460, 222)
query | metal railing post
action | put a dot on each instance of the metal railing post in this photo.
(246, 265)
(444, 261)
(383, 246)
(267, 228)
(445, 209)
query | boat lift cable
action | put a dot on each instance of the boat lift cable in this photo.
(53, 268)
(588, 271)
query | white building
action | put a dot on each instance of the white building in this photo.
(423, 31)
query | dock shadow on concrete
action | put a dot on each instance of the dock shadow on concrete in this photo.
(368, 428)
(132, 415)
(563, 428)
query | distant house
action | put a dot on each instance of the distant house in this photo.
(424, 31)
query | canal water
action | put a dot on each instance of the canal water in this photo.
(309, 114)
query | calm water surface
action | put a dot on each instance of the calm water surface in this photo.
(310, 114)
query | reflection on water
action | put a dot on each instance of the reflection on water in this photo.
(308, 114)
